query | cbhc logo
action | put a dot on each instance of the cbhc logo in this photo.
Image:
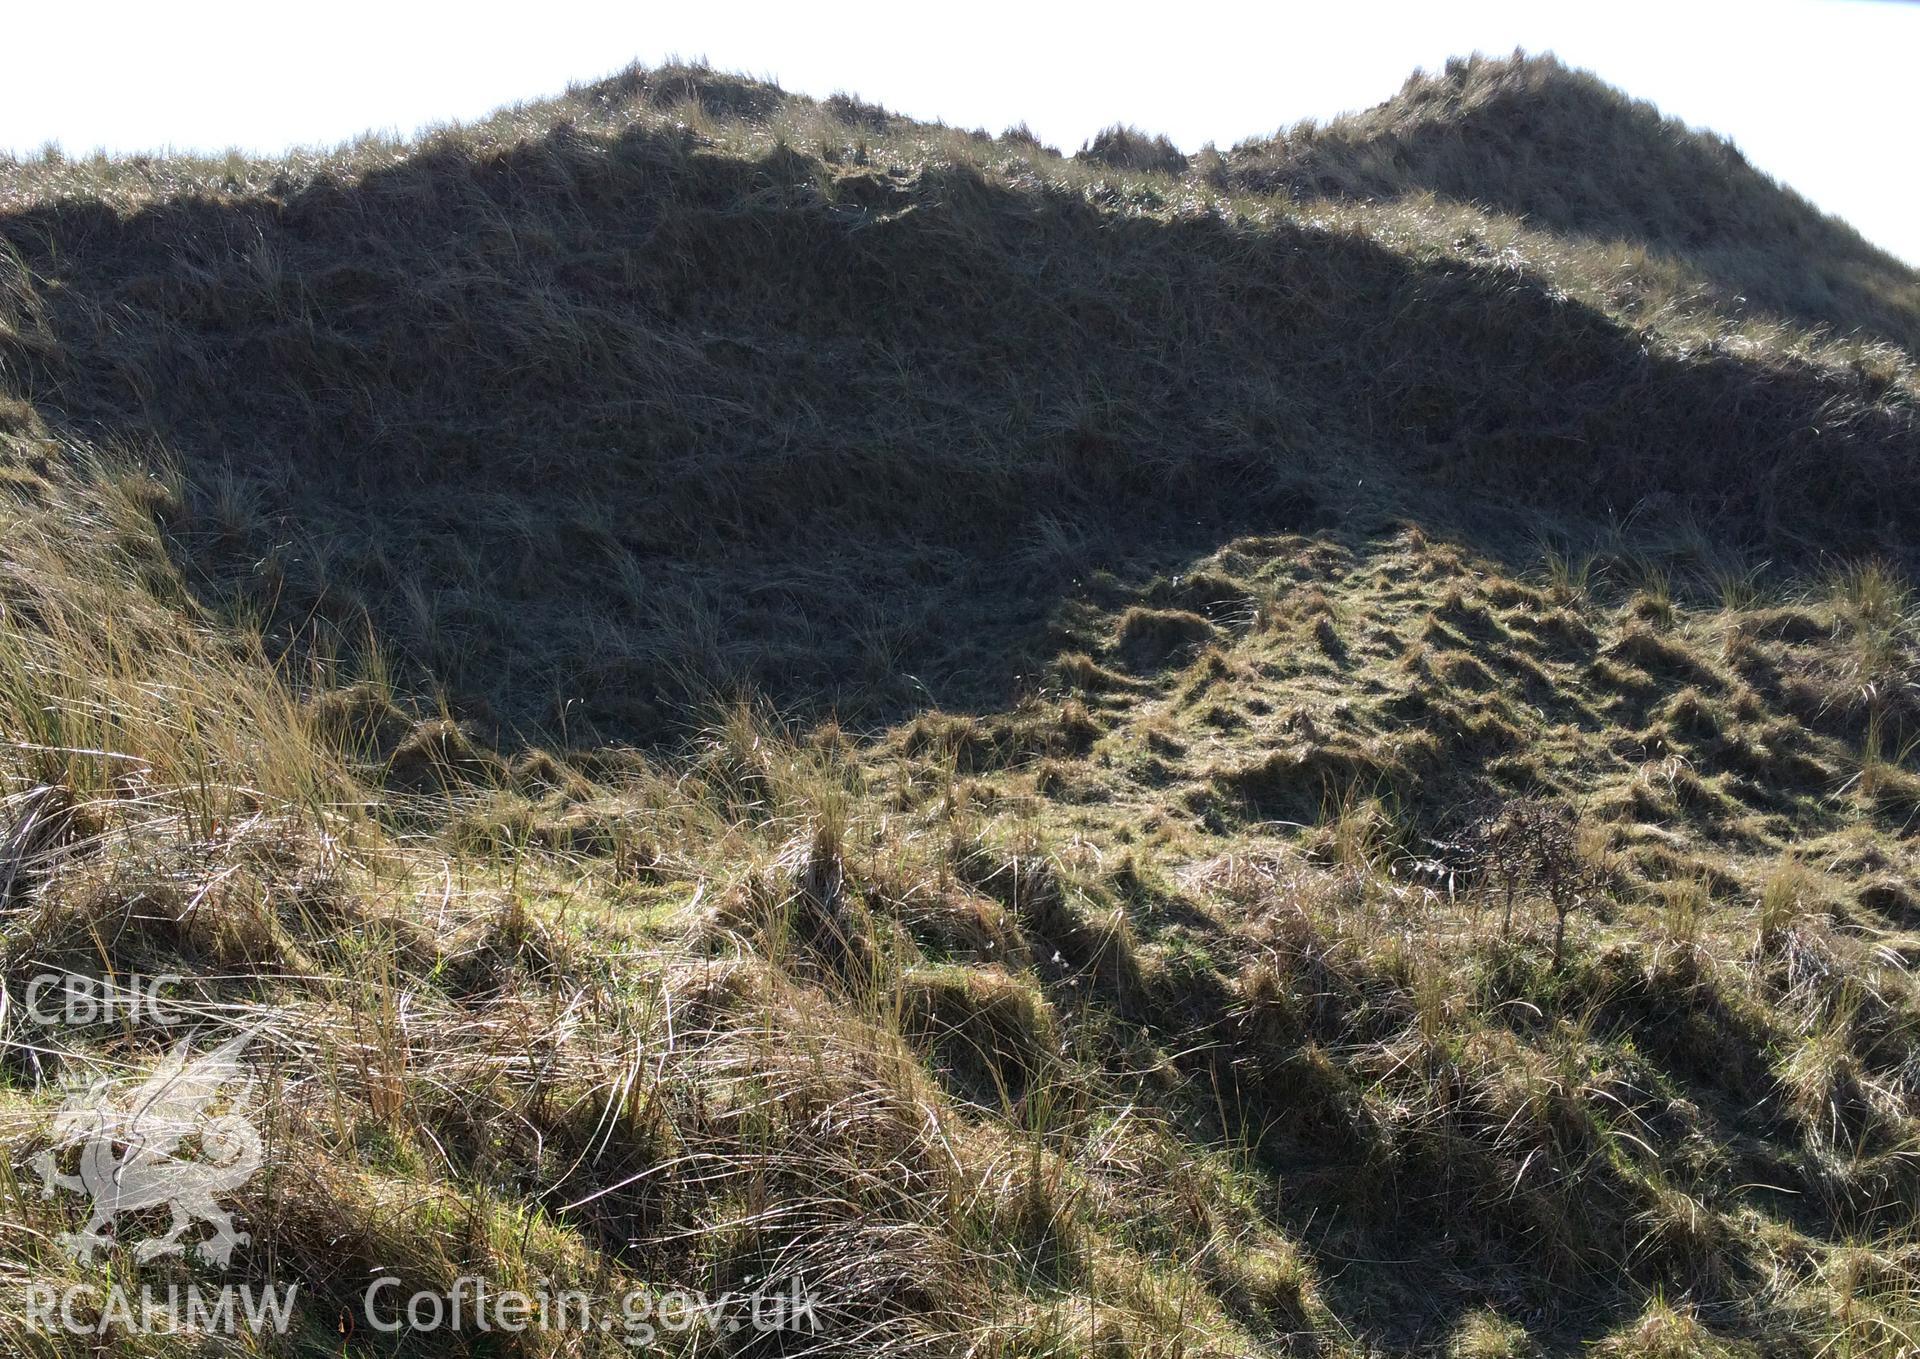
(66, 998)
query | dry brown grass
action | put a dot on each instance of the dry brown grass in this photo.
(436, 677)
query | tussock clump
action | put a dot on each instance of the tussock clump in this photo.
(1303, 1097)
(35, 825)
(715, 92)
(1885, 783)
(1681, 1240)
(1505, 593)
(1128, 148)
(1647, 650)
(1461, 671)
(1488, 1335)
(258, 897)
(542, 774)
(1794, 626)
(1152, 637)
(1081, 671)
(1873, 675)
(1663, 1331)
(1654, 608)
(1468, 612)
(440, 756)
(1688, 1012)
(854, 111)
(1069, 934)
(1301, 778)
(1561, 629)
(1218, 597)
(362, 721)
(991, 1030)
(500, 943)
(1789, 895)
(1691, 714)
(801, 913)
(1778, 757)
(1326, 637)
(1267, 1283)
(1271, 1015)
(1892, 899)
(1022, 135)
(960, 925)
(1473, 729)
(973, 745)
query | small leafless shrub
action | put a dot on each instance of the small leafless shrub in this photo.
(1522, 846)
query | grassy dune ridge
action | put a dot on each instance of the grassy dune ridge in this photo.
(1301, 750)
(1567, 152)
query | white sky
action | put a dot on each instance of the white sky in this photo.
(1823, 94)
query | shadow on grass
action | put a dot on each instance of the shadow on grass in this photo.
(587, 426)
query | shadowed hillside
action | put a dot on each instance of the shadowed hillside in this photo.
(1306, 753)
(574, 423)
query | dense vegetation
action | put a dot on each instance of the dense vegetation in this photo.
(1308, 749)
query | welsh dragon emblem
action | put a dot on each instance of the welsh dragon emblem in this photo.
(129, 1161)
